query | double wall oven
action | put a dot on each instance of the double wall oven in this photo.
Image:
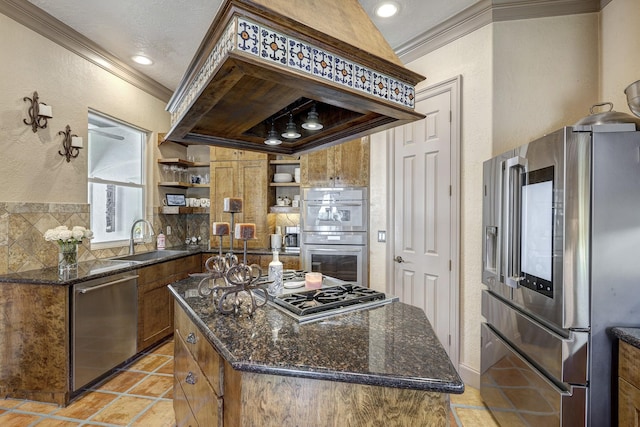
(334, 234)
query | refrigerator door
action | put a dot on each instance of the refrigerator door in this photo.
(517, 393)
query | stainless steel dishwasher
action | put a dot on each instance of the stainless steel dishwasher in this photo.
(104, 325)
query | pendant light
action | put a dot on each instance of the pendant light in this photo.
(312, 122)
(272, 137)
(291, 132)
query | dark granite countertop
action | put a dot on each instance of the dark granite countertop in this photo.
(390, 346)
(98, 268)
(628, 335)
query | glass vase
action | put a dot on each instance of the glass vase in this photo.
(67, 257)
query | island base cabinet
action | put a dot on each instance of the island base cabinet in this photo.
(628, 385)
(268, 400)
(196, 399)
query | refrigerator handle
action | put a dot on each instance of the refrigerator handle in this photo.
(512, 214)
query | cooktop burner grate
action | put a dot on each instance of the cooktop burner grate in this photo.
(316, 301)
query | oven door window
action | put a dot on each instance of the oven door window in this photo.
(343, 267)
(536, 247)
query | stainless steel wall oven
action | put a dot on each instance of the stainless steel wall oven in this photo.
(334, 235)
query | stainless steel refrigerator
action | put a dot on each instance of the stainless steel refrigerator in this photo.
(561, 262)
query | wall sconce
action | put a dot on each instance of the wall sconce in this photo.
(71, 144)
(39, 112)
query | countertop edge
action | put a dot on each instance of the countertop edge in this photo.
(431, 385)
(630, 335)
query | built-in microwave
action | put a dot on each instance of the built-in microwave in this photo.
(335, 209)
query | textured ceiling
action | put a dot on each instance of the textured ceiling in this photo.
(170, 31)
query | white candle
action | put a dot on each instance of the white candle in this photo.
(76, 141)
(313, 280)
(232, 204)
(220, 229)
(45, 110)
(245, 231)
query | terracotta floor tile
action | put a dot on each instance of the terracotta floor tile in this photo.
(167, 368)
(56, 423)
(10, 403)
(87, 405)
(159, 415)
(10, 419)
(39, 407)
(148, 363)
(165, 349)
(470, 397)
(122, 381)
(122, 410)
(153, 385)
(470, 417)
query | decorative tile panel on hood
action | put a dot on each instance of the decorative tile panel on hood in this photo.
(260, 67)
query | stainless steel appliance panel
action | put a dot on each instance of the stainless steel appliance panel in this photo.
(104, 326)
(562, 358)
(335, 209)
(344, 262)
(511, 385)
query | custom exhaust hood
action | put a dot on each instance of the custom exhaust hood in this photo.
(266, 63)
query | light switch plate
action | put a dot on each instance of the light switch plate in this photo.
(382, 235)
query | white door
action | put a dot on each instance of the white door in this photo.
(423, 215)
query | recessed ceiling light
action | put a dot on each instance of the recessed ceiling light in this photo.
(142, 60)
(387, 9)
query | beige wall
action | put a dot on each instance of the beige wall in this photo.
(33, 171)
(38, 188)
(620, 51)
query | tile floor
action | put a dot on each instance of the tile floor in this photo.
(141, 393)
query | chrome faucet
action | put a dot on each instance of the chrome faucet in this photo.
(133, 227)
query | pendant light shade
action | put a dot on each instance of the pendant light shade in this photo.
(312, 122)
(272, 137)
(292, 131)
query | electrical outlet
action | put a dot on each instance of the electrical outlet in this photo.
(168, 230)
(382, 235)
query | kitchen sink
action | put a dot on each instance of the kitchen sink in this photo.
(150, 256)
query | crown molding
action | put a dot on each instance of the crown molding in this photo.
(46, 25)
(486, 12)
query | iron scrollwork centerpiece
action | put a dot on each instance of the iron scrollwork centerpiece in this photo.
(226, 279)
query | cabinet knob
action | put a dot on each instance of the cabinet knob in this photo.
(190, 379)
(192, 338)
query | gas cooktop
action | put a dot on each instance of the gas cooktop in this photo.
(310, 305)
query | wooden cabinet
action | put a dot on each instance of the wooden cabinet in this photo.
(345, 164)
(289, 262)
(155, 308)
(220, 153)
(198, 376)
(247, 180)
(628, 385)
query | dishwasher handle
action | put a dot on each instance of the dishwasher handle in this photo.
(104, 285)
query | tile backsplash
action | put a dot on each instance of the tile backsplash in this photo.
(22, 227)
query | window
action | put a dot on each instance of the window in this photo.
(116, 178)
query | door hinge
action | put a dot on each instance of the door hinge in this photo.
(449, 340)
(450, 191)
(450, 116)
(449, 265)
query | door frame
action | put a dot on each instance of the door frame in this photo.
(453, 86)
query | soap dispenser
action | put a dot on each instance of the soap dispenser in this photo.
(275, 276)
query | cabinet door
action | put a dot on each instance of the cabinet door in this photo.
(222, 154)
(317, 168)
(156, 312)
(252, 186)
(224, 183)
(352, 163)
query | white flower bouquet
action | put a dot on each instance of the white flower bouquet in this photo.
(62, 234)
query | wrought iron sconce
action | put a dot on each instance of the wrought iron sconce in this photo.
(39, 112)
(71, 144)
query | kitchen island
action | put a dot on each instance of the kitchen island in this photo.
(380, 366)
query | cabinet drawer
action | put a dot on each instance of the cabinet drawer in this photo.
(629, 368)
(184, 416)
(205, 405)
(197, 345)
